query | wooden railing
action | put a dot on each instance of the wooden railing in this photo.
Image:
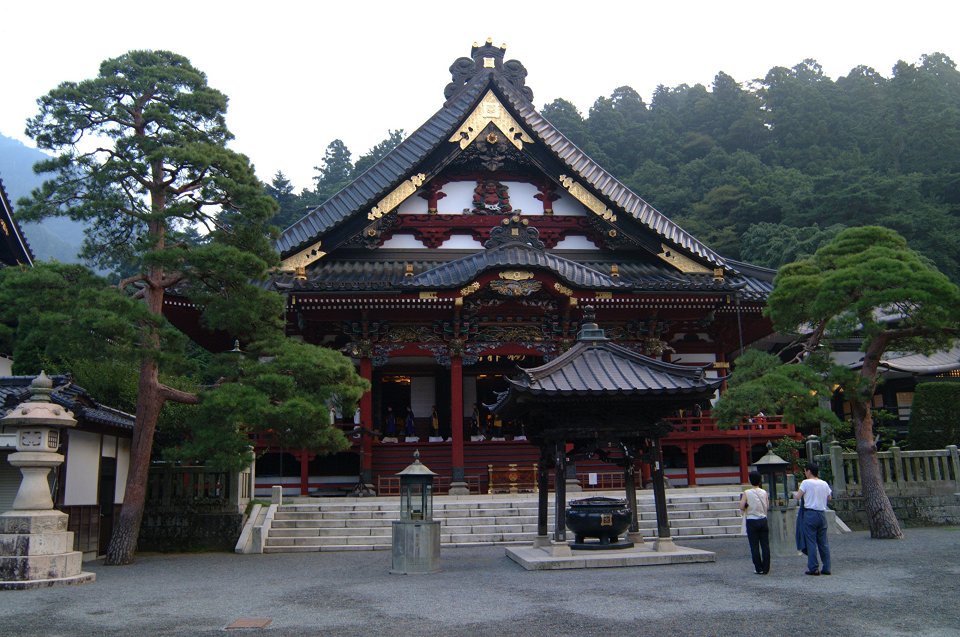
(768, 425)
(903, 472)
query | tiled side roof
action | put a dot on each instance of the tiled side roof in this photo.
(331, 275)
(16, 249)
(16, 389)
(602, 181)
(375, 182)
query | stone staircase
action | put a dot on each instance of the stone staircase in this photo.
(333, 524)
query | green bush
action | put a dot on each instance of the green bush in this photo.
(935, 417)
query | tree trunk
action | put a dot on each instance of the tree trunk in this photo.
(880, 516)
(126, 532)
(150, 399)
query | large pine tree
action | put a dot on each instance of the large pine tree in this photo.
(141, 154)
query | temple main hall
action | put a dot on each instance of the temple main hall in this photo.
(471, 250)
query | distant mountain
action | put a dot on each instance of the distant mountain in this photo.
(55, 238)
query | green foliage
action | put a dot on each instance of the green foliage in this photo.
(933, 420)
(283, 390)
(378, 152)
(858, 281)
(55, 314)
(761, 382)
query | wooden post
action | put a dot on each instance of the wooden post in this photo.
(560, 493)
(458, 485)
(543, 493)
(744, 462)
(631, 489)
(304, 473)
(691, 466)
(659, 492)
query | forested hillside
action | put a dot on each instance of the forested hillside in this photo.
(766, 171)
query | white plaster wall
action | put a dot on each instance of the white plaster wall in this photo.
(522, 198)
(83, 468)
(413, 205)
(123, 466)
(422, 395)
(6, 366)
(567, 205)
(109, 447)
(576, 242)
(404, 242)
(461, 242)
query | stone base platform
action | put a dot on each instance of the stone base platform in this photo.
(534, 558)
(82, 578)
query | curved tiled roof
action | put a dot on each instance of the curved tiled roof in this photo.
(369, 187)
(14, 248)
(462, 271)
(16, 389)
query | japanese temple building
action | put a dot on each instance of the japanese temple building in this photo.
(470, 250)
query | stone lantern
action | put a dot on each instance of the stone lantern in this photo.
(782, 516)
(772, 466)
(416, 536)
(36, 550)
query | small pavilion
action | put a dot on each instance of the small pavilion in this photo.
(603, 401)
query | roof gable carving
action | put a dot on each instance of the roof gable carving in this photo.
(489, 97)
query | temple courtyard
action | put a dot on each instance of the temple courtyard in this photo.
(879, 587)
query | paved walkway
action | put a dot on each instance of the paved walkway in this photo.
(908, 587)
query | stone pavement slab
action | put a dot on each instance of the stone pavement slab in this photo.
(879, 587)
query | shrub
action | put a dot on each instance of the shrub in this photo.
(935, 418)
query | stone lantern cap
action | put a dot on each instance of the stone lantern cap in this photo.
(39, 411)
(771, 462)
(416, 469)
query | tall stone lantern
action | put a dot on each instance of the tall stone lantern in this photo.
(36, 550)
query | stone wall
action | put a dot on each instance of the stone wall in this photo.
(911, 510)
(175, 529)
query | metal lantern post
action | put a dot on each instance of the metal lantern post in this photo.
(416, 536)
(36, 550)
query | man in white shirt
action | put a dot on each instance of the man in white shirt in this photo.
(814, 495)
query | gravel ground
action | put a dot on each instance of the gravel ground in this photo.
(909, 587)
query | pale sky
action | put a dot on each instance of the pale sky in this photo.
(300, 74)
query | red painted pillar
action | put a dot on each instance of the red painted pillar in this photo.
(304, 473)
(744, 462)
(691, 469)
(456, 422)
(366, 420)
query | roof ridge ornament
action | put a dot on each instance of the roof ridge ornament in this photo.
(589, 330)
(487, 58)
(514, 230)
